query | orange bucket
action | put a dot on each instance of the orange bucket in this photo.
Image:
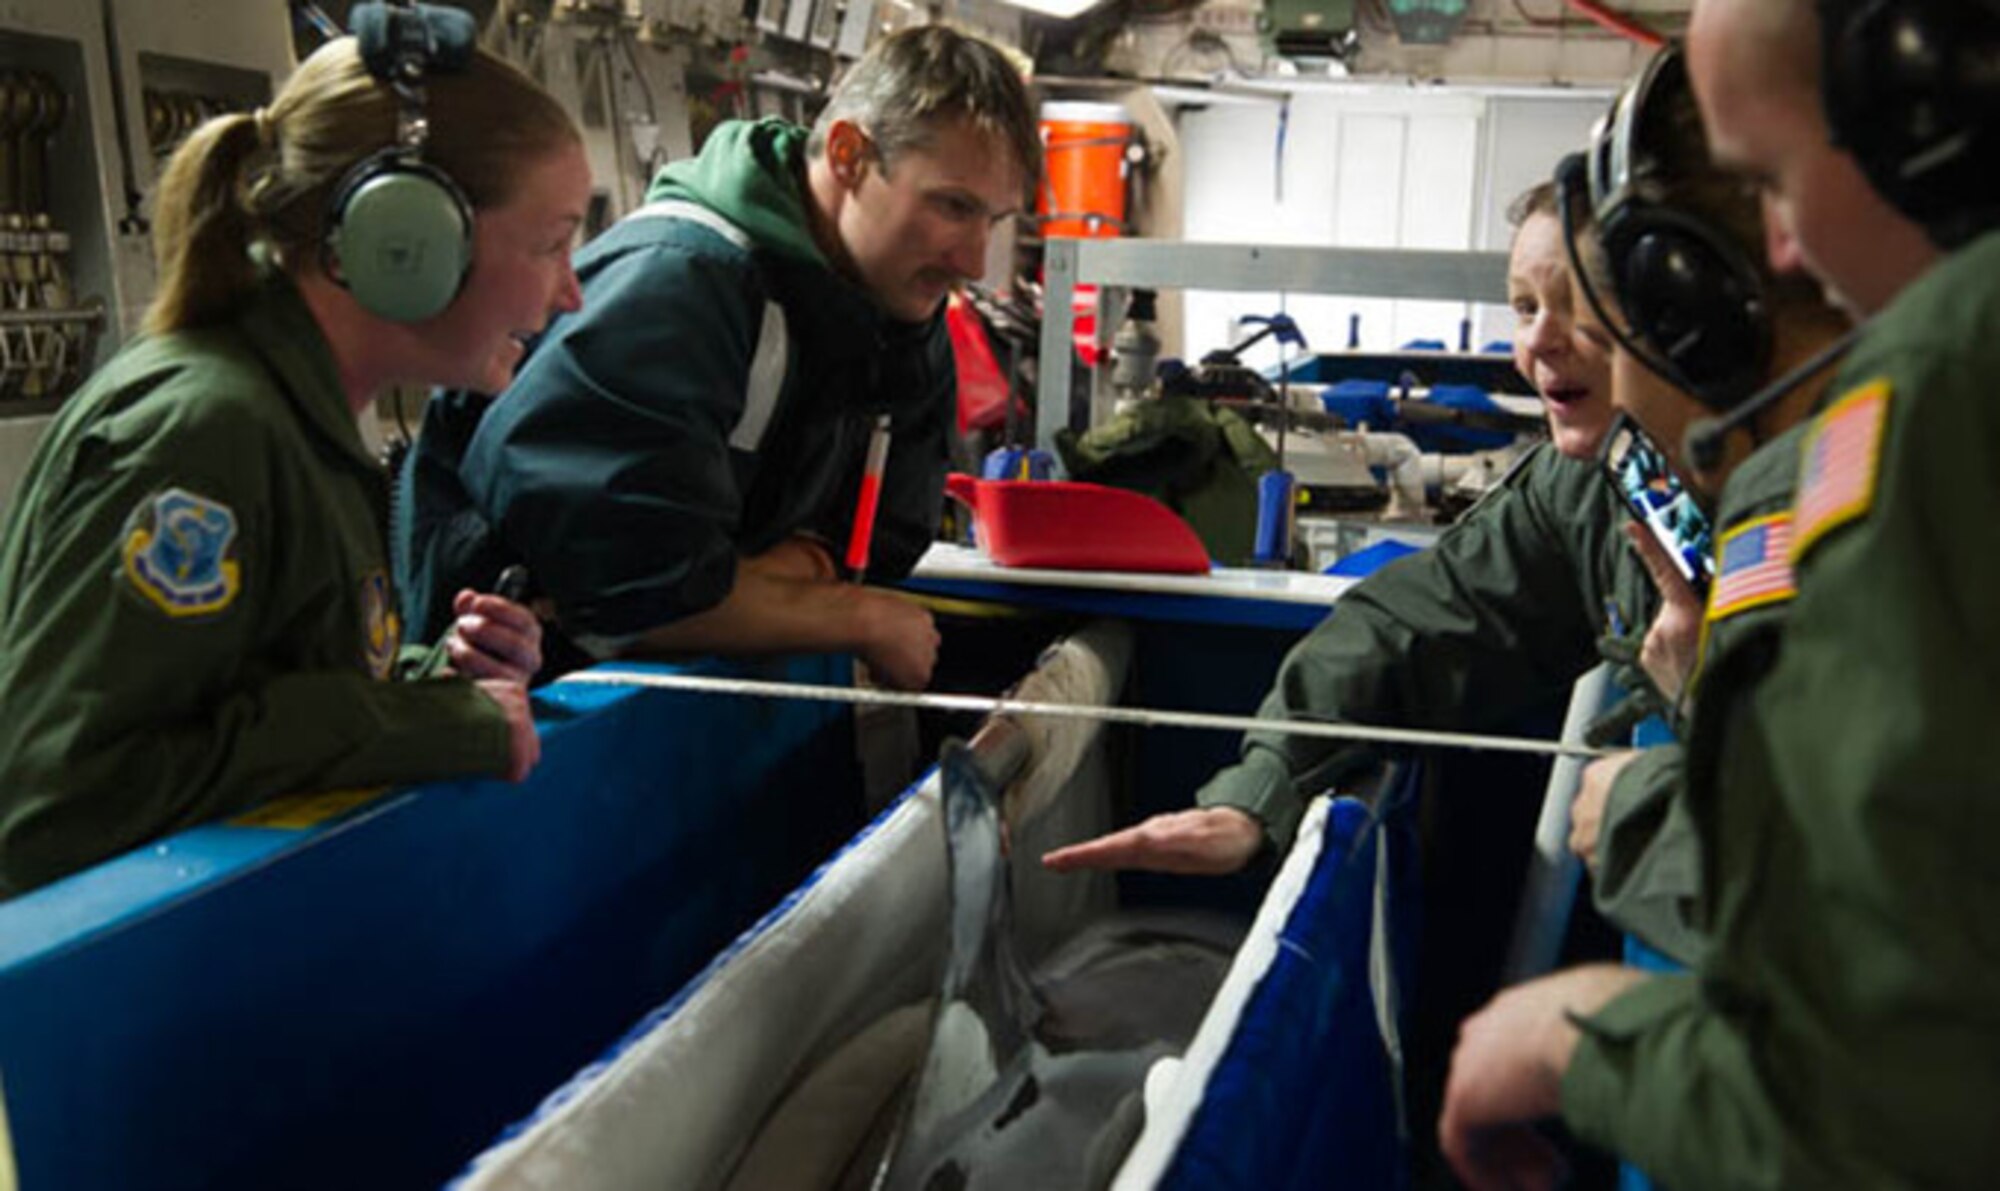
(1083, 150)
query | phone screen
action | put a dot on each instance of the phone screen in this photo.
(1649, 490)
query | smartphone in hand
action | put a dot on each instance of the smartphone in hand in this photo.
(1647, 488)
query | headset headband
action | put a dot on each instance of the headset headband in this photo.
(402, 43)
(399, 230)
(1694, 301)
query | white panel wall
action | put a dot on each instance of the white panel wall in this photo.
(1233, 171)
(1371, 149)
(1524, 138)
(1368, 167)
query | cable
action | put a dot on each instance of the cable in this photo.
(628, 41)
(132, 223)
(1620, 24)
(1554, 22)
(1144, 717)
(315, 17)
(1703, 443)
(1573, 190)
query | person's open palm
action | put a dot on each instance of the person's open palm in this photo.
(1208, 841)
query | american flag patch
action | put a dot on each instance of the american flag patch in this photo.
(1838, 465)
(1753, 566)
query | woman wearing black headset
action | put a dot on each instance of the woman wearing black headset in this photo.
(1678, 276)
(1706, 331)
(195, 612)
(1502, 615)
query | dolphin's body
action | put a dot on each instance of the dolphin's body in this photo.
(1037, 1083)
(1001, 1080)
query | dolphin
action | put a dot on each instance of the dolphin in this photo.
(1037, 1082)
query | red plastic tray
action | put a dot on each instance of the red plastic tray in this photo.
(1066, 526)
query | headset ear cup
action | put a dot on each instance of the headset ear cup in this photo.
(400, 237)
(1695, 299)
(1909, 90)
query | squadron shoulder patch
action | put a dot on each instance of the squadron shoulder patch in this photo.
(1753, 567)
(180, 553)
(1839, 464)
(382, 629)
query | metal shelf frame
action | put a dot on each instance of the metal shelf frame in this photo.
(1172, 264)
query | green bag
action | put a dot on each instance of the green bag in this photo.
(1199, 460)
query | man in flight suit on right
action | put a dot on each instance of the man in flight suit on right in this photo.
(1844, 1030)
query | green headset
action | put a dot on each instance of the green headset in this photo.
(1912, 89)
(398, 229)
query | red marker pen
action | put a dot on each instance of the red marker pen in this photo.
(863, 534)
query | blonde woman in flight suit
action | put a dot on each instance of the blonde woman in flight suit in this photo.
(195, 609)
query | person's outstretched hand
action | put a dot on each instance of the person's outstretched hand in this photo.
(1208, 841)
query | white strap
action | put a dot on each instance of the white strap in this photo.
(1144, 717)
(767, 377)
(768, 361)
(693, 213)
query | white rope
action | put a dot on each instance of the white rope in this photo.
(1144, 717)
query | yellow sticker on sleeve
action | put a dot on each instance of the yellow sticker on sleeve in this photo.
(299, 811)
(381, 628)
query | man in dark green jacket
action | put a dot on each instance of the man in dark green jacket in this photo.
(1844, 1030)
(679, 463)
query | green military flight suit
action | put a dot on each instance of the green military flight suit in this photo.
(1648, 878)
(1499, 617)
(195, 612)
(1844, 1028)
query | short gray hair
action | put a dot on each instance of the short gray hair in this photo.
(919, 78)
